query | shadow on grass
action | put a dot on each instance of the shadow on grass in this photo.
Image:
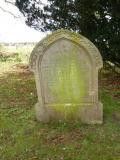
(17, 90)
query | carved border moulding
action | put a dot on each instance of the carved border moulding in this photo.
(89, 115)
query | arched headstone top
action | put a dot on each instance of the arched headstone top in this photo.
(76, 38)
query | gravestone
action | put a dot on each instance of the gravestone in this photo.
(65, 65)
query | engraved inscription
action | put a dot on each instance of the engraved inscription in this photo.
(66, 73)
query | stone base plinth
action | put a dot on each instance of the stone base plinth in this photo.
(88, 114)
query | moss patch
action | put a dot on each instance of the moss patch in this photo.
(69, 83)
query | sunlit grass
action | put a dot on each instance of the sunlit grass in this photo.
(23, 138)
(21, 56)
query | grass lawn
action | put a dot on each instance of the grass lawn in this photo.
(23, 138)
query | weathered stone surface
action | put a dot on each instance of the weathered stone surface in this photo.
(65, 65)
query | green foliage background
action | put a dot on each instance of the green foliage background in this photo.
(98, 20)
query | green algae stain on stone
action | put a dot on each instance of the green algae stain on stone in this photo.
(69, 86)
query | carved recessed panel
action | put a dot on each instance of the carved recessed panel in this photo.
(66, 74)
